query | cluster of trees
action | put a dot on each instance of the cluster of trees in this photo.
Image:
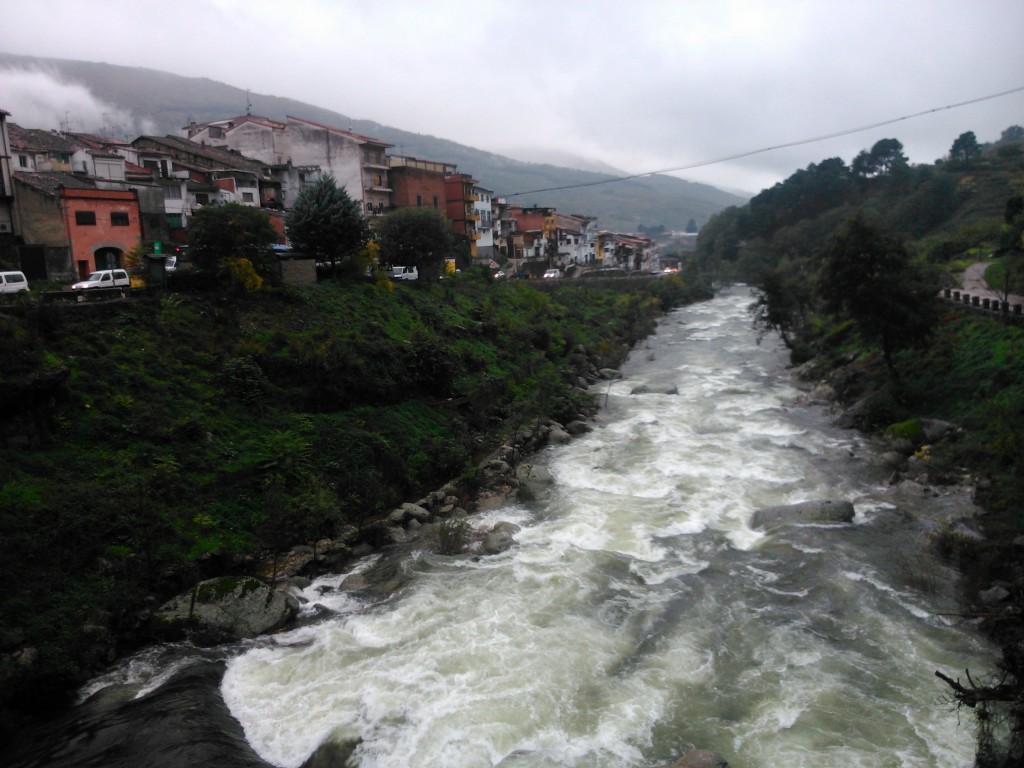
(791, 219)
(233, 241)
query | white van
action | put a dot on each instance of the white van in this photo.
(404, 273)
(13, 282)
(104, 278)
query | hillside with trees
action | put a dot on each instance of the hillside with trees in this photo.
(846, 263)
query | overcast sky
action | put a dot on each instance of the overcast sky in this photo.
(640, 85)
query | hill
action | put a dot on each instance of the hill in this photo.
(167, 102)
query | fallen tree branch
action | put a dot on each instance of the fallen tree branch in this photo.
(974, 694)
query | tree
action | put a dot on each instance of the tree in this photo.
(887, 156)
(1013, 133)
(965, 149)
(415, 237)
(221, 234)
(691, 227)
(328, 224)
(782, 302)
(867, 276)
(863, 165)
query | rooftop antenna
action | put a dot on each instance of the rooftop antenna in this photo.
(65, 126)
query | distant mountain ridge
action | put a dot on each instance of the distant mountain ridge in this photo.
(168, 102)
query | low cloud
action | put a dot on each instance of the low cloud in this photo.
(37, 98)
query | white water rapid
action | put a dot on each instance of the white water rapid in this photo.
(639, 615)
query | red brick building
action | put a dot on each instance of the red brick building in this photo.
(92, 227)
(418, 183)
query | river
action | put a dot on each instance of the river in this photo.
(639, 615)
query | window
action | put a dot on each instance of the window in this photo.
(23, 161)
(247, 197)
(85, 218)
(118, 219)
(419, 200)
(172, 193)
(202, 198)
(435, 201)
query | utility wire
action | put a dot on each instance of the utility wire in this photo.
(772, 148)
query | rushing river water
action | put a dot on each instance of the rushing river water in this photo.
(639, 615)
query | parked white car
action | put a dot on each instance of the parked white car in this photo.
(404, 273)
(104, 278)
(552, 274)
(13, 282)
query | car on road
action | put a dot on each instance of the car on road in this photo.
(104, 278)
(552, 274)
(13, 282)
(404, 273)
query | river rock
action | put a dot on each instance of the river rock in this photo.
(558, 436)
(936, 430)
(223, 609)
(497, 541)
(994, 595)
(893, 460)
(577, 427)
(654, 389)
(818, 511)
(534, 480)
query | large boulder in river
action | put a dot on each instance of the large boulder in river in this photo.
(818, 511)
(224, 609)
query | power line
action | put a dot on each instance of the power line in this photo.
(772, 148)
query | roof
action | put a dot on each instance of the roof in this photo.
(230, 123)
(212, 157)
(98, 141)
(49, 182)
(38, 140)
(357, 136)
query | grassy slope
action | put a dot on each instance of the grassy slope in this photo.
(195, 431)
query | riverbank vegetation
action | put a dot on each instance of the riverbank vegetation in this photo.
(846, 264)
(151, 442)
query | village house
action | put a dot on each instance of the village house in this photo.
(508, 242)
(70, 227)
(460, 206)
(576, 236)
(485, 231)
(6, 192)
(418, 183)
(633, 253)
(299, 151)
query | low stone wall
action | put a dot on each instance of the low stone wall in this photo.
(985, 305)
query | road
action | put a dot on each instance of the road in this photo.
(973, 282)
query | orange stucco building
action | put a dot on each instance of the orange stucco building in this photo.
(102, 224)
